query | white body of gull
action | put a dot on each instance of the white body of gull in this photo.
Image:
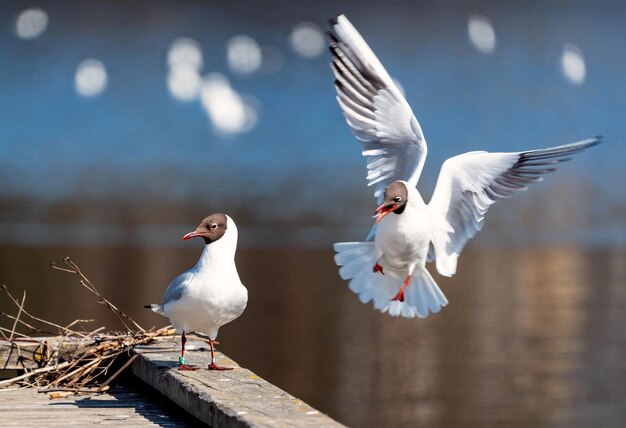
(210, 294)
(390, 267)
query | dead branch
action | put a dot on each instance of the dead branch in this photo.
(104, 386)
(84, 281)
(2, 329)
(19, 312)
(73, 361)
(33, 373)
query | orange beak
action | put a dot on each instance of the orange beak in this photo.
(382, 211)
(191, 235)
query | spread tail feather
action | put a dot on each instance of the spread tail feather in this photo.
(421, 297)
(155, 308)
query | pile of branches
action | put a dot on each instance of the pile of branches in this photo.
(64, 360)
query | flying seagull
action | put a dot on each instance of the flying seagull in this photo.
(210, 294)
(390, 267)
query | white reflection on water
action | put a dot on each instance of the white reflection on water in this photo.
(226, 108)
(243, 54)
(91, 78)
(184, 82)
(185, 52)
(481, 34)
(31, 23)
(307, 40)
(573, 64)
(184, 58)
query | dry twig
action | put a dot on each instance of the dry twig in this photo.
(73, 361)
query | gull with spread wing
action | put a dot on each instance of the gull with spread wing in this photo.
(390, 267)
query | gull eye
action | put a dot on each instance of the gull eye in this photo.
(397, 199)
(213, 226)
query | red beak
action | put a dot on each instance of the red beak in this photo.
(382, 211)
(191, 235)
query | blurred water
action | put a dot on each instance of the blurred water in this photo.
(530, 337)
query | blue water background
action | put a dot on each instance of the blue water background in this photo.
(136, 156)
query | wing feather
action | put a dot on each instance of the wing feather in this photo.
(379, 116)
(470, 183)
(177, 287)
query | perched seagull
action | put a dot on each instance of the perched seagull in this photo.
(210, 294)
(391, 270)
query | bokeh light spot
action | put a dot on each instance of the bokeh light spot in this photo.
(481, 34)
(184, 82)
(307, 40)
(91, 78)
(251, 106)
(225, 107)
(31, 23)
(185, 52)
(573, 65)
(243, 54)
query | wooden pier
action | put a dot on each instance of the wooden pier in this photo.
(235, 398)
(120, 406)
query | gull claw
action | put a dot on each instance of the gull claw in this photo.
(186, 367)
(399, 297)
(214, 366)
(378, 268)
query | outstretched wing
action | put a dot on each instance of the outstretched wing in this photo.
(376, 111)
(470, 183)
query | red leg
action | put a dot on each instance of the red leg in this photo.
(378, 268)
(181, 360)
(214, 366)
(400, 295)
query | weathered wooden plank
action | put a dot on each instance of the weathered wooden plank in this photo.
(236, 398)
(120, 406)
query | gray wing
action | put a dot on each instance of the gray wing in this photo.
(177, 288)
(470, 183)
(379, 116)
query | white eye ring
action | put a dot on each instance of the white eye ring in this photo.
(397, 199)
(214, 226)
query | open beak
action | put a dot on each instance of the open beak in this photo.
(382, 211)
(191, 235)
